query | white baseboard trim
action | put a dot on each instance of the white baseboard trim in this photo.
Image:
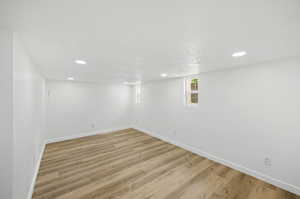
(70, 137)
(36, 171)
(286, 186)
(52, 140)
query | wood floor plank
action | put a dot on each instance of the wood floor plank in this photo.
(130, 164)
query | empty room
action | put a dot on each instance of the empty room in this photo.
(158, 99)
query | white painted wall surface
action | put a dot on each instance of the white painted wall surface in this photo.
(78, 108)
(6, 130)
(29, 113)
(244, 115)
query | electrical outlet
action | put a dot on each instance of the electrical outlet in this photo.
(268, 162)
(93, 126)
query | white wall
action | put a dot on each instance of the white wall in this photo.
(73, 108)
(28, 120)
(244, 115)
(6, 131)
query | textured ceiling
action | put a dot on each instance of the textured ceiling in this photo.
(136, 40)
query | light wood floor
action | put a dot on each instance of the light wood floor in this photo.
(129, 164)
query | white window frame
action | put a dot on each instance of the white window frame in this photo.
(188, 91)
(138, 93)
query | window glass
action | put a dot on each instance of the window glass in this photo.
(192, 91)
(138, 94)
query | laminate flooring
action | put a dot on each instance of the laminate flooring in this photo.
(130, 164)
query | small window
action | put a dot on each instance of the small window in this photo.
(192, 91)
(138, 94)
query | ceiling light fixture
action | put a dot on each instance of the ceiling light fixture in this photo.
(163, 75)
(239, 54)
(132, 83)
(78, 61)
(71, 78)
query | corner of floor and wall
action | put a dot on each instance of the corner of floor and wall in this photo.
(34, 112)
(246, 119)
(246, 116)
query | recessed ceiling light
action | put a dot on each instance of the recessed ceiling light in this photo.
(71, 78)
(163, 75)
(239, 54)
(132, 83)
(78, 61)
